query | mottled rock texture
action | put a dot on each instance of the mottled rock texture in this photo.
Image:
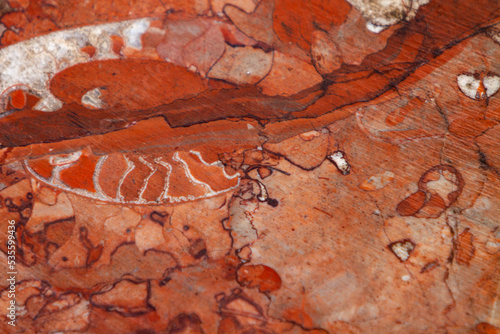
(250, 166)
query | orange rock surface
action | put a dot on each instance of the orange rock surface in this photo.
(249, 166)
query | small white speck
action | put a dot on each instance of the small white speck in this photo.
(402, 249)
(339, 160)
(375, 28)
(405, 278)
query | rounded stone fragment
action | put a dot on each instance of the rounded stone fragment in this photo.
(325, 54)
(244, 65)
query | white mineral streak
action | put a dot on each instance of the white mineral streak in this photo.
(380, 14)
(35, 61)
(263, 196)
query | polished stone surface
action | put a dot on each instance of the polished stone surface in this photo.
(246, 166)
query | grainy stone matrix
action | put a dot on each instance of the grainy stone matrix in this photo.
(251, 166)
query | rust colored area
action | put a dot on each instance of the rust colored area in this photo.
(18, 99)
(439, 188)
(195, 44)
(90, 50)
(156, 184)
(118, 44)
(465, 247)
(205, 173)
(182, 185)
(128, 85)
(43, 17)
(486, 328)
(249, 166)
(111, 174)
(133, 181)
(412, 204)
(295, 21)
(80, 174)
(42, 167)
(259, 276)
(376, 75)
(126, 297)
